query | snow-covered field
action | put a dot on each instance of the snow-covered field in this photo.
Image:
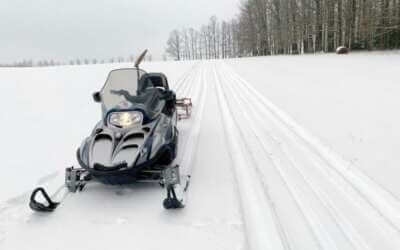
(290, 152)
(349, 102)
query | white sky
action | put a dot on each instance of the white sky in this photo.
(68, 29)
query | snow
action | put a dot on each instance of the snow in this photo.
(350, 102)
(285, 152)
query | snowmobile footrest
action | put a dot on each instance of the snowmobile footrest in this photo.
(40, 207)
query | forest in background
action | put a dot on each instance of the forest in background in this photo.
(270, 27)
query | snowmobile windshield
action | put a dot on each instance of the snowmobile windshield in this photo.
(121, 87)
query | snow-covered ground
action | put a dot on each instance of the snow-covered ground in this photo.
(349, 102)
(290, 152)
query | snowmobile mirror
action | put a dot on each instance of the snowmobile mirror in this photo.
(96, 96)
(140, 58)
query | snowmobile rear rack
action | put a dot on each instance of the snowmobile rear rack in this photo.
(184, 107)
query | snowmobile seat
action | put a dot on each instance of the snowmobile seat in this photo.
(153, 80)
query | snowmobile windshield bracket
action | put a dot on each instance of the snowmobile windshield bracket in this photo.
(40, 207)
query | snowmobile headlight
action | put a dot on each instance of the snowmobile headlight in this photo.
(126, 119)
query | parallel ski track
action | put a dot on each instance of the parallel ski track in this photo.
(324, 241)
(184, 78)
(190, 87)
(194, 87)
(198, 88)
(330, 202)
(387, 204)
(261, 225)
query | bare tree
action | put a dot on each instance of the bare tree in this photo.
(174, 45)
(265, 27)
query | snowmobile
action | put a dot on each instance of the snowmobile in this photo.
(136, 139)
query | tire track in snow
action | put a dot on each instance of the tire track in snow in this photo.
(259, 219)
(344, 223)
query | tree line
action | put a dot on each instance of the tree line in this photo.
(78, 61)
(269, 27)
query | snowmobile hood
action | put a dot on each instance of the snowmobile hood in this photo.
(111, 149)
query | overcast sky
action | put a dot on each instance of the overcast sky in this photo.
(68, 29)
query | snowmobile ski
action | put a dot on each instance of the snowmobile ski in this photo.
(176, 187)
(41, 207)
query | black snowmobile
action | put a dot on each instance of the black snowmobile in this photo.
(135, 140)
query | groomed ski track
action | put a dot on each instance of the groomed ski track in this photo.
(259, 181)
